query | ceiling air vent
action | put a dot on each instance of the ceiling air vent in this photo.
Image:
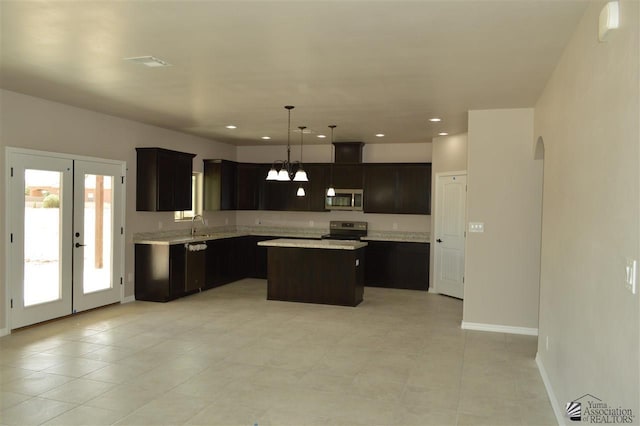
(149, 61)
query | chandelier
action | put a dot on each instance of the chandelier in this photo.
(287, 171)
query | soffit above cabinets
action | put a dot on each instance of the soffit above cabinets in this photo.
(369, 67)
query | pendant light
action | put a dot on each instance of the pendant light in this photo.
(301, 175)
(331, 192)
(284, 174)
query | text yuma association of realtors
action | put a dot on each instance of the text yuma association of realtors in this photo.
(600, 412)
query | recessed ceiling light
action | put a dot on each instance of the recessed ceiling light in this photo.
(149, 61)
(321, 136)
(443, 134)
(435, 119)
(231, 126)
(379, 135)
(266, 138)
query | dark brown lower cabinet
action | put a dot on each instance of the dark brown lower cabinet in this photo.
(334, 277)
(397, 265)
(160, 272)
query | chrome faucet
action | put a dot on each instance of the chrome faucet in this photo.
(193, 224)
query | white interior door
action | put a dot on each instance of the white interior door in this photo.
(97, 234)
(451, 196)
(40, 210)
(66, 245)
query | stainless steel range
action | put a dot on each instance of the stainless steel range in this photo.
(346, 230)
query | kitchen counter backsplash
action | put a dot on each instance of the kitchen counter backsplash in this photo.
(180, 236)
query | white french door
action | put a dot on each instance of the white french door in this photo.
(451, 196)
(66, 243)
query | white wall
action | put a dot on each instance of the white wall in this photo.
(34, 123)
(588, 116)
(505, 193)
(449, 155)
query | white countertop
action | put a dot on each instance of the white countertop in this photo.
(316, 244)
(182, 236)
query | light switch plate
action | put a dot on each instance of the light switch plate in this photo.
(476, 226)
(630, 275)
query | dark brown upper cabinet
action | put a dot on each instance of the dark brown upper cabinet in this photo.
(346, 176)
(163, 180)
(399, 188)
(250, 184)
(219, 186)
(348, 152)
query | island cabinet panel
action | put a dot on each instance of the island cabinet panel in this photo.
(399, 188)
(163, 180)
(160, 272)
(219, 186)
(334, 277)
(397, 265)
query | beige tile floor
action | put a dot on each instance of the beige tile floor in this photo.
(228, 356)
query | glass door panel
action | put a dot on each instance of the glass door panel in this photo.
(40, 218)
(98, 230)
(42, 242)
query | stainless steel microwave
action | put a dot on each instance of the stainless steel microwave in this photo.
(345, 199)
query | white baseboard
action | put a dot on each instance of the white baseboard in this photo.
(129, 299)
(499, 328)
(557, 409)
(4, 332)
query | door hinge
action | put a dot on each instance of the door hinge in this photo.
(11, 303)
(120, 280)
(122, 177)
(121, 230)
(12, 237)
(12, 172)
(463, 279)
(465, 234)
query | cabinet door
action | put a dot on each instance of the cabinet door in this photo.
(181, 186)
(346, 176)
(380, 188)
(318, 184)
(414, 188)
(379, 264)
(411, 266)
(249, 180)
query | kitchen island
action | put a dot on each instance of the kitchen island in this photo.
(315, 271)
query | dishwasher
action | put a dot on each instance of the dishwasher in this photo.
(196, 257)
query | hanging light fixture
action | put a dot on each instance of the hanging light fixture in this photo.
(331, 192)
(286, 173)
(301, 175)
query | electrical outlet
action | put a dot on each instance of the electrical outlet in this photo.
(311, 223)
(159, 225)
(630, 281)
(395, 226)
(226, 220)
(476, 226)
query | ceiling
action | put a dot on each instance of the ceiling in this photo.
(367, 66)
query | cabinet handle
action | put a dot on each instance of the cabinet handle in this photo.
(438, 240)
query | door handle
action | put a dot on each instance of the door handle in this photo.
(438, 241)
(80, 245)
